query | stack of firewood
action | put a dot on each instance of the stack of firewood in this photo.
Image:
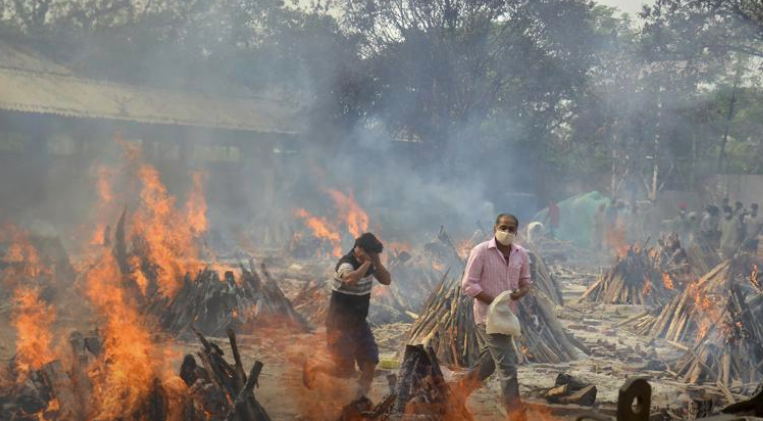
(688, 313)
(543, 279)
(213, 306)
(220, 389)
(204, 301)
(419, 392)
(732, 350)
(216, 390)
(634, 279)
(447, 325)
(702, 255)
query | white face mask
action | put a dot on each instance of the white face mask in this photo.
(504, 237)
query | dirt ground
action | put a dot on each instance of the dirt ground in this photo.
(616, 355)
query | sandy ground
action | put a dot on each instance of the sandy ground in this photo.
(616, 356)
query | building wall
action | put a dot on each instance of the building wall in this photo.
(47, 176)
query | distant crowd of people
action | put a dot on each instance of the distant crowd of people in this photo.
(722, 226)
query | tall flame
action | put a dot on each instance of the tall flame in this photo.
(32, 319)
(196, 206)
(350, 213)
(131, 361)
(104, 205)
(322, 229)
(170, 234)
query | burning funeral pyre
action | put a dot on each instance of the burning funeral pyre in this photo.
(716, 321)
(77, 388)
(634, 279)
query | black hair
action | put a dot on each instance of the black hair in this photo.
(738, 205)
(712, 210)
(506, 215)
(727, 209)
(369, 243)
(754, 206)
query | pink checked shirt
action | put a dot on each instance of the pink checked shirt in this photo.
(487, 271)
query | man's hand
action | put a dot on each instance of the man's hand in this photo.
(521, 292)
(485, 297)
(363, 257)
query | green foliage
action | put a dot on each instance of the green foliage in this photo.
(568, 84)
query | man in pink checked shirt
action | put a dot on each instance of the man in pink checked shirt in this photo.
(493, 267)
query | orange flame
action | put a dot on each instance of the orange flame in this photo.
(350, 213)
(322, 229)
(754, 278)
(32, 318)
(169, 234)
(667, 281)
(647, 287)
(196, 206)
(617, 240)
(131, 361)
(708, 310)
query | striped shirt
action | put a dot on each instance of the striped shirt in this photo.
(362, 287)
(487, 270)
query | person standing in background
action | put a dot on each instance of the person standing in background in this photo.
(554, 215)
(731, 233)
(753, 223)
(709, 226)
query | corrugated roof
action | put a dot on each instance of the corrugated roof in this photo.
(29, 83)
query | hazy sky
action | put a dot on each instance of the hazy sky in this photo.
(629, 6)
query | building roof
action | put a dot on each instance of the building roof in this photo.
(33, 84)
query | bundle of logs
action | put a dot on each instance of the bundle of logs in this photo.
(732, 350)
(220, 389)
(213, 306)
(216, 390)
(543, 279)
(51, 392)
(204, 301)
(688, 313)
(447, 326)
(418, 392)
(634, 279)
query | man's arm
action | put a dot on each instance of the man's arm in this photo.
(352, 278)
(472, 277)
(382, 274)
(525, 284)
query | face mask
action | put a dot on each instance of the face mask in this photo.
(504, 237)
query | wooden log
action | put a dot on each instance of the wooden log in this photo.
(583, 397)
(60, 384)
(245, 398)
